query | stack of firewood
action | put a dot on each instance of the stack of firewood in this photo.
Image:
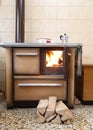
(51, 110)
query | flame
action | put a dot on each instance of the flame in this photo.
(54, 58)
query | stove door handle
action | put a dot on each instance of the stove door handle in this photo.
(38, 85)
(26, 54)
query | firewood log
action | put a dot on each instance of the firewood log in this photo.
(51, 106)
(67, 122)
(51, 117)
(40, 118)
(76, 101)
(56, 120)
(42, 106)
(61, 108)
(68, 115)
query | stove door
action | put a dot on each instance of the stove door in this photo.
(54, 61)
(26, 61)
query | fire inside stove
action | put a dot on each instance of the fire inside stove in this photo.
(53, 61)
(54, 58)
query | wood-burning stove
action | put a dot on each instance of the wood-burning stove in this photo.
(29, 77)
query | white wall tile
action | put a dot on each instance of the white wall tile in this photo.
(7, 37)
(36, 12)
(87, 2)
(7, 2)
(7, 25)
(87, 26)
(76, 2)
(87, 54)
(75, 12)
(63, 2)
(87, 12)
(41, 2)
(62, 12)
(50, 12)
(35, 2)
(50, 2)
(7, 12)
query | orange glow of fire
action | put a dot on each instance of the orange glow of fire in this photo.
(54, 59)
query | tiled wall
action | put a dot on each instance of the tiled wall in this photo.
(7, 33)
(49, 18)
(7, 20)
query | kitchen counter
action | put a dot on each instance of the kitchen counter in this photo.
(40, 45)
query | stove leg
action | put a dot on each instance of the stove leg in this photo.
(71, 78)
(9, 80)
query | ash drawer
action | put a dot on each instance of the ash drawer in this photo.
(36, 89)
(26, 61)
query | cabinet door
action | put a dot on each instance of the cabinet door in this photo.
(88, 83)
(26, 61)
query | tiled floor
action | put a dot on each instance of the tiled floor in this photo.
(25, 119)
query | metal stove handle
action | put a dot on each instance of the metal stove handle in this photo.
(37, 85)
(26, 54)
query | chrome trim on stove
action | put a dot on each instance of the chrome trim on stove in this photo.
(26, 54)
(38, 85)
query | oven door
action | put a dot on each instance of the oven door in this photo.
(35, 88)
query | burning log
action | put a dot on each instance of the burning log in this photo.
(53, 111)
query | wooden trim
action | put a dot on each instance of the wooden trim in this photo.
(88, 65)
(20, 21)
(66, 62)
(9, 81)
(88, 83)
(40, 77)
(71, 78)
